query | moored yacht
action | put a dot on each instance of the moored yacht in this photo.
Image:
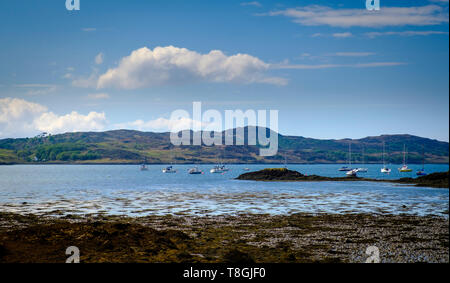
(404, 168)
(421, 172)
(169, 169)
(348, 168)
(385, 169)
(195, 171)
(217, 169)
(363, 170)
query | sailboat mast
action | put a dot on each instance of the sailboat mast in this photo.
(363, 160)
(423, 158)
(384, 148)
(404, 154)
(350, 154)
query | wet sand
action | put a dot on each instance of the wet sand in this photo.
(233, 239)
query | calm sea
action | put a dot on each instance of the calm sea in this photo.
(58, 190)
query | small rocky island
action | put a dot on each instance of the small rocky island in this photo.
(435, 180)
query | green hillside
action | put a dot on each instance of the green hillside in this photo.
(127, 146)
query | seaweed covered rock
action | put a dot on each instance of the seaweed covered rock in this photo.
(97, 242)
(271, 174)
(435, 180)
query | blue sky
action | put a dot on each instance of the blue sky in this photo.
(331, 68)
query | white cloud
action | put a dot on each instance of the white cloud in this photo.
(315, 15)
(405, 33)
(342, 34)
(88, 29)
(17, 116)
(171, 65)
(21, 118)
(99, 58)
(73, 122)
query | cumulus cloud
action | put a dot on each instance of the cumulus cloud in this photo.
(17, 117)
(72, 122)
(171, 65)
(21, 118)
(316, 15)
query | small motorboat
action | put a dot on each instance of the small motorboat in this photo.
(217, 169)
(246, 169)
(144, 167)
(169, 169)
(195, 171)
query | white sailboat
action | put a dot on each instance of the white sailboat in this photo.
(385, 169)
(348, 168)
(404, 168)
(351, 172)
(363, 170)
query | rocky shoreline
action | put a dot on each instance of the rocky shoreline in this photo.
(434, 180)
(245, 238)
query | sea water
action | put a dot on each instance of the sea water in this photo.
(58, 190)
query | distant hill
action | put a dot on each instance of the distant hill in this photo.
(128, 146)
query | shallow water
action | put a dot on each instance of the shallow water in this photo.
(125, 190)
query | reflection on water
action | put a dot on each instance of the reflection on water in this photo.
(123, 189)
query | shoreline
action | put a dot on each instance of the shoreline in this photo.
(246, 238)
(200, 163)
